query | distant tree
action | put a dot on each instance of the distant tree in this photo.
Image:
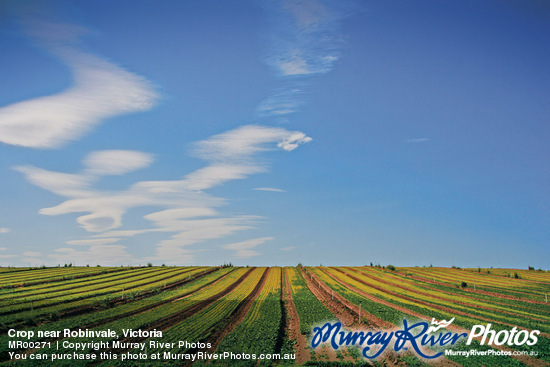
(463, 285)
(390, 267)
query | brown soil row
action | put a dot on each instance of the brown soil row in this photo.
(136, 312)
(230, 322)
(389, 358)
(467, 297)
(530, 361)
(438, 297)
(80, 285)
(95, 306)
(61, 301)
(167, 321)
(439, 307)
(159, 303)
(19, 287)
(344, 310)
(302, 352)
(343, 313)
(487, 293)
(493, 275)
(175, 318)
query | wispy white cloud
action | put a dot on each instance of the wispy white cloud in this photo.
(115, 162)
(92, 241)
(4, 230)
(32, 254)
(100, 90)
(305, 41)
(288, 248)
(244, 249)
(231, 153)
(243, 142)
(281, 103)
(188, 212)
(6, 256)
(294, 64)
(268, 189)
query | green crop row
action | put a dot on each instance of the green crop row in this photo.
(453, 303)
(543, 345)
(536, 310)
(260, 330)
(101, 316)
(19, 279)
(149, 317)
(66, 287)
(93, 297)
(310, 310)
(109, 287)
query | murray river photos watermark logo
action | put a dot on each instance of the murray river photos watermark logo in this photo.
(418, 336)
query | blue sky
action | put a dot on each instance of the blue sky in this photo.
(275, 132)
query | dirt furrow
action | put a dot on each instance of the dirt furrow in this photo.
(425, 285)
(230, 322)
(302, 353)
(487, 293)
(21, 287)
(104, 292)
(530, 361)
(86, 283)
(438, 297)
(167, 321)
(327, 294)
(389, 358)
(138, 311)
(438, 307)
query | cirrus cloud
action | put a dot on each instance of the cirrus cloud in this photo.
(244, 249)
(187, 210)
(100, 90)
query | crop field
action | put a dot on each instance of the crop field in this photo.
(263, 311)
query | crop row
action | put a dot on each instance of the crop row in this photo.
(64, 288)
(428, 310)
(199, 326)
(48, 275)
(10, 306)
(105, 295)
(151, 316)
(459, 294)
(505, 286)
(449, 302)
(310, 310)
(104, 316)
(260, 331)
